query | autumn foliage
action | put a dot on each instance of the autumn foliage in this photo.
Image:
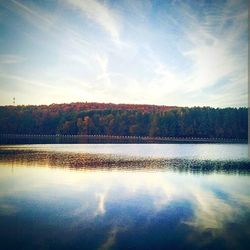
(124, 119)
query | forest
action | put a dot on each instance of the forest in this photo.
(125, 119)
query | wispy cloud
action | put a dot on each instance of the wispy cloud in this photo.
(101, 204)
(213, 53)
(39, 18)
(171, 53)
(99, 13)
(25, 80)
(11, 59)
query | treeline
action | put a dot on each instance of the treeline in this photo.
(127, 120)
(79, 106)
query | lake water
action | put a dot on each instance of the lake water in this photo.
(152, 196)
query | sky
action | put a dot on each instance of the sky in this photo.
(177, 53)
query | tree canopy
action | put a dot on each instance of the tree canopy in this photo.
(124, 119)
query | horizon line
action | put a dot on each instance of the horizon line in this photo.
(113, 103)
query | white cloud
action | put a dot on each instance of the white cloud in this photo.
(214, 56)
(175, 56)
(99, 13)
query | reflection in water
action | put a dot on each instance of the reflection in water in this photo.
(186, 151)
(110, 161)
(137, 203)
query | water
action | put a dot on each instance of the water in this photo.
(175, 196)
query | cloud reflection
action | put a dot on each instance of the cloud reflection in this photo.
(114, 203)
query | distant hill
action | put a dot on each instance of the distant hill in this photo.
(124, 119)
(78, 106)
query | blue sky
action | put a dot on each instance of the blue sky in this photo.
(184, 53)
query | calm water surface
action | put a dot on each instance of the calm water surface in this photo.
(166, 196)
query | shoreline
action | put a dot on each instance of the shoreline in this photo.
(110, 139)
